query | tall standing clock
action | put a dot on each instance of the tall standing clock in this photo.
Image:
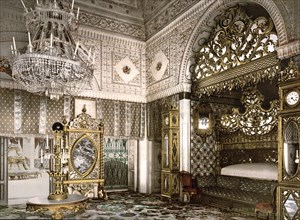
(288, 203)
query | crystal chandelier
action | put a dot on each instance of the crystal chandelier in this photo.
(53, 64)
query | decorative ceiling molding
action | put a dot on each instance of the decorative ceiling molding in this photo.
(166, 16)
(123, 10)
(113, 25)
(182, 19)
(88, 32)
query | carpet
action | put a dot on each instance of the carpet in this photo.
(131, 205)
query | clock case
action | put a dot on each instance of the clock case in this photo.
(284, 90)
(288, 190)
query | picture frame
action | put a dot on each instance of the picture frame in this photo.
(89, 104)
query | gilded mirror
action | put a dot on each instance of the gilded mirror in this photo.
(291, 148)
(83, 156)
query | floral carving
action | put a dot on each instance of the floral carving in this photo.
(126, 69)
(236, 40)
(158, 66)
(255, 120)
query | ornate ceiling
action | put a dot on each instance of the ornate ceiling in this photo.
(146, 17)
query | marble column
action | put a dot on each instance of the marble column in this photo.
(185, 131)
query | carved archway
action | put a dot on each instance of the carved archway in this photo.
(217, 8)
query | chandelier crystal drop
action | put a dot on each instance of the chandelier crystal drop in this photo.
(53, 64)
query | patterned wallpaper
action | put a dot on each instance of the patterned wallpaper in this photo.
(203, 154)
(121, 118)
(203, 150)
(21, 113)
(30, 113)
(6, 111)
(55, 112)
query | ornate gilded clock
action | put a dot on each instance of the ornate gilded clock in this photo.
(288, 201)
(292, 97)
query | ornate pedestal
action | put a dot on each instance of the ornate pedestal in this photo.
(57, 208)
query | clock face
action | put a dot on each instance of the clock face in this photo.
(292, 98)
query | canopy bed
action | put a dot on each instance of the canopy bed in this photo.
(238, 55)
(247, 158)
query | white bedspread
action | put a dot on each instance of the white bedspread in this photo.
(266, 171)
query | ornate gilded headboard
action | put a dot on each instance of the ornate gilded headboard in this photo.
(250, 136)
(84, 146)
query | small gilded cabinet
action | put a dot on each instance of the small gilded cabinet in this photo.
(170, 154)
(288, 193)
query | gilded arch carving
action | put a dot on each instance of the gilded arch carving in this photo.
(268, 5)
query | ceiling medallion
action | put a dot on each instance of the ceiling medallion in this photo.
(53, 64)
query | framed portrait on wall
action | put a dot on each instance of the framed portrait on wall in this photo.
(90, 106)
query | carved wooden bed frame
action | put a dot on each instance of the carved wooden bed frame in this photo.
(241, 142)
(251, 136)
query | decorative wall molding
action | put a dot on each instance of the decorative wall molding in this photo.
(288, 50)
(113, 25)
(95, 34)
(184, 87)
(110, 49)
(118, 96)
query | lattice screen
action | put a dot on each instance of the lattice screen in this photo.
(115, 163)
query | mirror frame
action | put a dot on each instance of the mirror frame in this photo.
(283, 153)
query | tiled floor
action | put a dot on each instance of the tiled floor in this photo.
(129, 205)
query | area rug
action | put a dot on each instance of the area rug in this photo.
(130, 205)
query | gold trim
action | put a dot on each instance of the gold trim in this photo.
(78, 181)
